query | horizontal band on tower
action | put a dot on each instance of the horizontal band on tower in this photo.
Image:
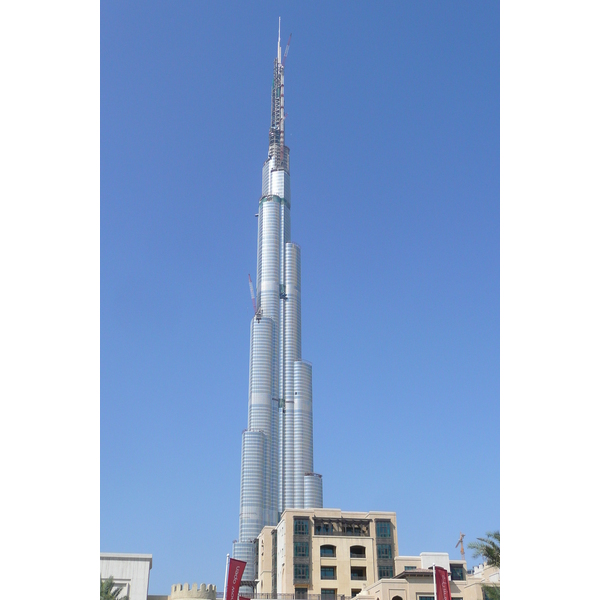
(274, 198)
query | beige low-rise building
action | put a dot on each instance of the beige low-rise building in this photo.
(414, 579)
(326, 552)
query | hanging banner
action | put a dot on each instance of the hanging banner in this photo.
(234, 578)
(442, 584)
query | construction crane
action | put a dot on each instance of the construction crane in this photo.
(257, 311)
(287, 49)
(462, 548)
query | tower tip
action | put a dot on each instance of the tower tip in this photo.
(279, 42)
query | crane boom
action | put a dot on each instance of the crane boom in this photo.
(252, 293)
(287, 49)
(462, 548)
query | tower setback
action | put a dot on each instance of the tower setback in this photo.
(277, 447)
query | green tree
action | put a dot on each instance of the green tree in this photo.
(108, 591)
(491, 592)
(489, 549)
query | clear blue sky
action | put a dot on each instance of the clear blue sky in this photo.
(394, 134)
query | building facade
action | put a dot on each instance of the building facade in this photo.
(333, 555)
(326, 553)
(277, 447)
(183, 591)
(414, 579)
(130, 573)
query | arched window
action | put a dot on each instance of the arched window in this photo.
(328, 550)
(397, 598)
(357, 552)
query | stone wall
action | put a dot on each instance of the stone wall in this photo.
(205, 592)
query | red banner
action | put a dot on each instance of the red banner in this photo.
(234, 578)
(442, 584)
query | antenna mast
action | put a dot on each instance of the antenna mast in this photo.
(277, 147)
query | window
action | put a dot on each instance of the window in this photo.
(346, 527)
(300, 548)
(426, 598)
(301, 572)
(274, 559)
(355, 593)
(383, 529)
(353, 529)
(357, 552)
(328, 573)
(328, 551)
(323, 528)
(301, 526)
(327, 594)
(457, 573)
(384, 551)
(397, 598)
(358, 573)
(301, 593)
(385, 572)
(410, 568)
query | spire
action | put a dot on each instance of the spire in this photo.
(277, 148)
(279, 43)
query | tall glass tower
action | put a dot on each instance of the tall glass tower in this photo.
(277, 447)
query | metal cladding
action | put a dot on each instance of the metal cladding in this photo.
(303, 428)
(313, 490)
(277, 447)
(252, 506)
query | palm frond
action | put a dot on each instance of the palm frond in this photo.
(108, 591)
(488, 548)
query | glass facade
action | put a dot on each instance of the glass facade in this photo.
(345, 527)
(300, 549)
(277, 448)
(385, 572)
(300, 526)
(274, 560)
(385, 549)
(358, 573)
(357, 552)
(383, 529)
(457, 573)
(301, 572)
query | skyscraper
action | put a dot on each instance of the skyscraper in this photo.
(277, 447)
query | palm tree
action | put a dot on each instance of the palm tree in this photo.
(490, 592)
(488, 548)
(108, 591)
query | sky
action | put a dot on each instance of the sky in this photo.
(394, 130)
